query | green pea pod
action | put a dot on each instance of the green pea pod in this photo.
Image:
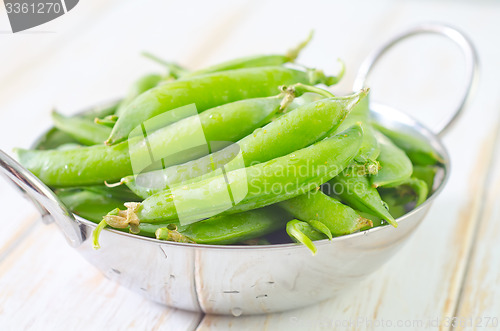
(414, 188)
(83, 130)
(425, 173)
(140, 86)
(315, 205)
(370, 148)
(55, 137)
(375, 220)
(249, 188)
(395, 166)
(254, 61)
(217, 230)
(208, 91)
(87, 204)
(226, 229)
(419, 187)
(294, 130)
(418, 150)
(356, 191)
(242, 63)
(318, 226)
(175, 71)
(395, 202)
(90, 165)
(304, 233)
(399, 198)
(95, 164)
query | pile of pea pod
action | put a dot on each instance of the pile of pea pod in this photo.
(297, 163)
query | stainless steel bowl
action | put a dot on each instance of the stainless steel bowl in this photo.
(248, 279)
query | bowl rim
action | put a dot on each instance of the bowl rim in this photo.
(378, 111)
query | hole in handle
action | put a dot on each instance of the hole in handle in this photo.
(468, 50)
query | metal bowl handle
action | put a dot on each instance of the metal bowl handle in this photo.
(47, 203)
(471, 62)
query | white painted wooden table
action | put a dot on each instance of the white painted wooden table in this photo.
(450, 267)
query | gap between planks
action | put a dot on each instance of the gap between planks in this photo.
(209, 46)
(467, 225)
(480, 219)
(19, 236)
(96, 14)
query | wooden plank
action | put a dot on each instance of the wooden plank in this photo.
(479, 305)
(30, 95)
(418, 285)
(18, 216)
(97, 76)
(44, 282)
(43, 41)
(340, 31)
(19, 64)
(13, 235)
(421, 284)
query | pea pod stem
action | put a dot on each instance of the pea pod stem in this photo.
(217, 230)
(300, 89)
(376, 221)
(97, 233)
(321, 227)
(304, 233)
(254, 61)
(93, 202)
(302, 100)
(173, 69)
(170, 233)
(108, 121)
(101, 111)
(418, 187)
